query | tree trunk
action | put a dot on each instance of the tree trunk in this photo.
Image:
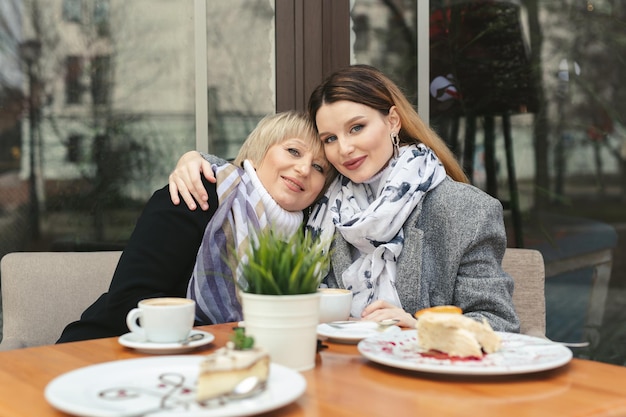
(541, 125)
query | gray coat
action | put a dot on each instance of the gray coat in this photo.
(454, 242)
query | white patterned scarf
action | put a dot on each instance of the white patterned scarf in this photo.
(371, 220)
(245, 207)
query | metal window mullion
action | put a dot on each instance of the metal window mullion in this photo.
(201, 86)
(423, 60)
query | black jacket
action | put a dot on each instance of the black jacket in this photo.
(157, 261)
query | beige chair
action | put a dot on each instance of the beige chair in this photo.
(527, 268)
(42, 292)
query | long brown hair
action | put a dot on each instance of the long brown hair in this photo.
(366, 85)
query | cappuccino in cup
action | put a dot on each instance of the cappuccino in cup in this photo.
(163, 319)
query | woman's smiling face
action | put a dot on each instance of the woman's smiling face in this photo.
(292, 174)
(357, 138)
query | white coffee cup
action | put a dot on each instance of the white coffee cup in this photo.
(335, 304)
(163, 319)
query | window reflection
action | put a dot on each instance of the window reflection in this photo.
(111, 96)
(100, 76)
(241, 73)
(110, 93)
(384, 35)
(546, 74)
(73, 76)
(73, 10)
(101, 17)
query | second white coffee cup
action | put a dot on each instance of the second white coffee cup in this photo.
(335, 304)
(162, 320)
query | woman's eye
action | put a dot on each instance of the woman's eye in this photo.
(330, 139)
(293, 151)
(318, 167)
(356, 128)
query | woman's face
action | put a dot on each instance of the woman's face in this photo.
(357, 138)
(292, 174)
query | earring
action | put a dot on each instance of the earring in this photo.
(395, 141)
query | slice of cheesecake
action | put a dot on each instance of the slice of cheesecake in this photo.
(223, 370)
(456, 335)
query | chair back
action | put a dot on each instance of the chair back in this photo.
(42, 292)
(527, 268)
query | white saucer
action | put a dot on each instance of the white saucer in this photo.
(352, 333)
(131, 340)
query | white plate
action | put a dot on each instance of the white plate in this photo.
(352, 332)
(519, 354)
(131, 340)
(141, 386)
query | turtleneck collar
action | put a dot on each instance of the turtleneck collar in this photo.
(279, 218)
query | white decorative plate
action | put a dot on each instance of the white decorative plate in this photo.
(519, 354)
(131, 340)
(160, 386)
(352, 332)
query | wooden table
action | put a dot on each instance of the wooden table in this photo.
(344, 383)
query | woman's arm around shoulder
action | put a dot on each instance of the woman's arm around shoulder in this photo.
(187, 177)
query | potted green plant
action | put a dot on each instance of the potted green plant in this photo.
(279, 296)
(277, 266)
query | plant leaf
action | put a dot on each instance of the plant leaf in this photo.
(277, 265)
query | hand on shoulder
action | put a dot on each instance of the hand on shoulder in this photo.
(186, 180)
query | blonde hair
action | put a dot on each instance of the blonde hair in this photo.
(366, 85)
(277, 128)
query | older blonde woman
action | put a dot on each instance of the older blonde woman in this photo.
(280, 170)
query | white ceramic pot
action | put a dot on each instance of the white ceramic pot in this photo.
(285, 325)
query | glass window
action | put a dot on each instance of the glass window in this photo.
(73, 10)
(384, 35)
(9, 148)
(361, 32)
(101, 17)
(241, 73)
(100, 79)
(75, 148)
(73, 77)
(101, 11)
(114, 109)
(543, 77)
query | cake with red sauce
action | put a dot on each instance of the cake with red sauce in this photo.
(456, 335)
